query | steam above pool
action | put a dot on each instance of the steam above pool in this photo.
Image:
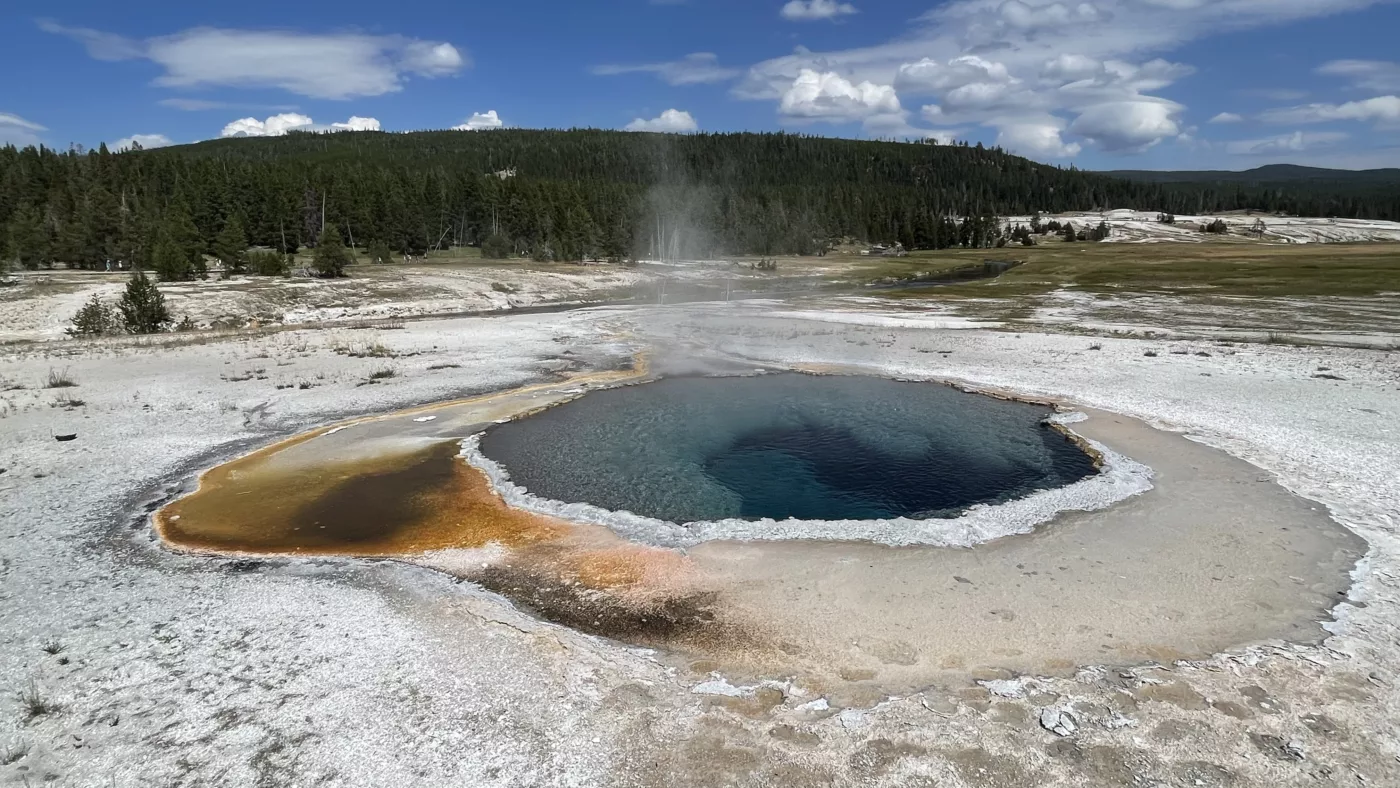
(781, 456)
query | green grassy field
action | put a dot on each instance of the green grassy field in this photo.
(1206, 269)
(457, 255)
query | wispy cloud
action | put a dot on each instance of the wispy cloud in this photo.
(15, 130)
(201, 105)
(317, 65)
(1297, 142)
(1274, 94)
(1377, 75)
(100, 45)
(700, 68)
(15, 121)
(1227, 117)
(1384, 109)
(812, 10)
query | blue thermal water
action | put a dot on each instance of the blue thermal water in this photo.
(786, 446)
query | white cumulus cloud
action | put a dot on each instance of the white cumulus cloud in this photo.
(1037, 139)
(144, 140)
(277, 125)
(319, 65)
(831, 97)
(672, 121)
(481, 120)
(1068, 67)
(1133, 125)
(931, 76)
(1021, 67)
(808, 10)
(356, 123)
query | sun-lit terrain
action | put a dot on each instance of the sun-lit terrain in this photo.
(681, 394)
(1211, 587)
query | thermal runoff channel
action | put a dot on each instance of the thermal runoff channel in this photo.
(787, 446)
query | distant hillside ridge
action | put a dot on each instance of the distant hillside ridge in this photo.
(1270, 173)
(571, 195)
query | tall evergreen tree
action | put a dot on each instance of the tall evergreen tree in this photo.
(178, 228)
(330, 258)
(231, 247)
(170, 262)
(28, 238)
(101, 216)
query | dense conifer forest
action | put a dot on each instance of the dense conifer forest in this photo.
(565, 195)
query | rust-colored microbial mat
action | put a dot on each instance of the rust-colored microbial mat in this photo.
(395, 504)
(423, 503)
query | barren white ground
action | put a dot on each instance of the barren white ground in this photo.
(1131, 226)
(179, 670)
(41, 303)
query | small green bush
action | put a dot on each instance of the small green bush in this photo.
(96, 318)
(142, 306)
(496, 247)
(265, 262)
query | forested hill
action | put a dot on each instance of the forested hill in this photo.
(568, 194)
(1270, 174)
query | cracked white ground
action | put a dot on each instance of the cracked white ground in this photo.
(182, 670)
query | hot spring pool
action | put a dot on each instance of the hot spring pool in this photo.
(786, 446)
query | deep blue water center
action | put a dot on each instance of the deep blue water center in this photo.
(788, 445)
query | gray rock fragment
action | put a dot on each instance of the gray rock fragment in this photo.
(1058, 721)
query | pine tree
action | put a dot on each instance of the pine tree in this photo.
(330, 257)
(143, 307)
(231, 247)
(179, 228)
(28, 237)
(170, 262)
(102, 217)
(133, 244)
(1070, 235)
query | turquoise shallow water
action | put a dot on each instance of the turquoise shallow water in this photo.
(786, 446)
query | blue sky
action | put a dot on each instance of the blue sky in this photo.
(1160, 84)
